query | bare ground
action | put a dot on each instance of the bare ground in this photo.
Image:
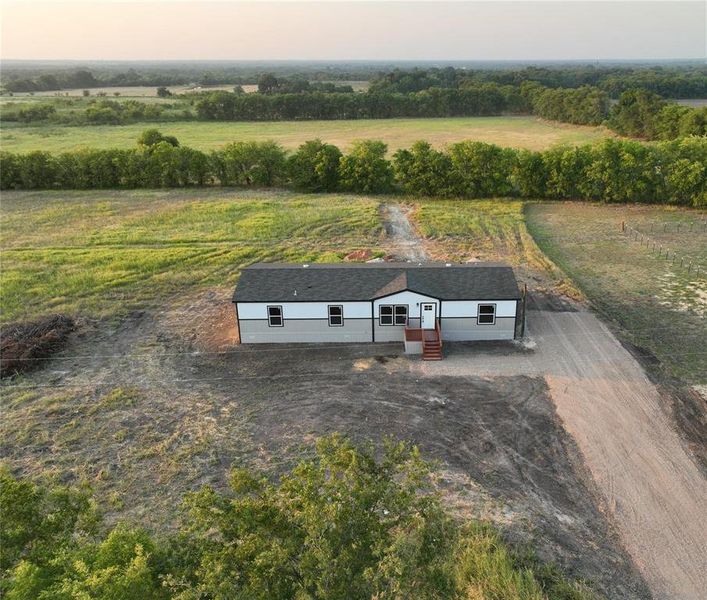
(625, 431)
(402, 240)
(198, 407)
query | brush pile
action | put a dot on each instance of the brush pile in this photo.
(21, 344)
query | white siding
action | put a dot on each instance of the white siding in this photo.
(412, 299)
(304, 310)
(465, 308)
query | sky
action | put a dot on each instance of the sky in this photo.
(352, 30)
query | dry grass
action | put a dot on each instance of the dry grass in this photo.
(658, 305)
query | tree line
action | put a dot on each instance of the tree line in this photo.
(584, 105)
(643, 114)
(670, 81)
(483, 100)
(614, 170)
(348, 524)
(688, 81)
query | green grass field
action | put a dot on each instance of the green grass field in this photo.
(107, 252)
(517, 132)
(656, 304)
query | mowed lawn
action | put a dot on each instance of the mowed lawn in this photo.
(516, 132)
(658, 305)
(104, 253)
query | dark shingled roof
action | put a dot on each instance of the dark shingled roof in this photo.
(354, 282)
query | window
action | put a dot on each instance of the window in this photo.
(336, 316)
(393, 314)
(487, 314)
(275, 316)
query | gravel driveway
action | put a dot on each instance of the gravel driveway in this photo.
(651, 484)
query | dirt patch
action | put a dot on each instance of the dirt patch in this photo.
(402, 241)
(549, 301)
(139, 412)
(650, 482)
(205, 321)
(23, 346)
(501, 452)
(689, 409)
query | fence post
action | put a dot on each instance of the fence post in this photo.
(623, 226)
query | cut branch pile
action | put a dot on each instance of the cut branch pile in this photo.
(24, 346)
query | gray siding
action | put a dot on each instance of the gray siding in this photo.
(257, 331)
(467, 329)
(389, 333)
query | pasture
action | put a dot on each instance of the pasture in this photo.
(107, 253)
(655, 304)
(151, 91)
(516, 132)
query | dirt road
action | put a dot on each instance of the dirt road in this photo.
(651, 485)
(402, 240)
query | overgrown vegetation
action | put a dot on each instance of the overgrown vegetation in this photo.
(611, 171)
(348, 523)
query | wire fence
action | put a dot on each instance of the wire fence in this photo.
(661, 251)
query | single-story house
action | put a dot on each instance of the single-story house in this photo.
(419, 304)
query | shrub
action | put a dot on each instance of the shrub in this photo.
(314, 167)
(423, 171)
(36, 112)
(260, 164)
(365, 169)
(481, 170)
(350, 523)
(150, 137)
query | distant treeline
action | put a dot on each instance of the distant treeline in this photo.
(612, 171)
(669, 82)
(21, 81)
(486, 99)
(638, 113)
(674, 81)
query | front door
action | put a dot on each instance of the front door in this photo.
(428, 315)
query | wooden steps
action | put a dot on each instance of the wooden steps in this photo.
(432, 344)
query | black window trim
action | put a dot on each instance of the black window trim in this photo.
(329, 315)
(282, 318)
(478, 313)
(393, 315)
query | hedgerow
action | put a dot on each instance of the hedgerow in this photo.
(613, 170)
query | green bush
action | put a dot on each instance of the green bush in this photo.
(314, 167)
(259, 164)
(611, 171)
(423, 171)
(365, 169)
(350, 523)
(36, 112)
